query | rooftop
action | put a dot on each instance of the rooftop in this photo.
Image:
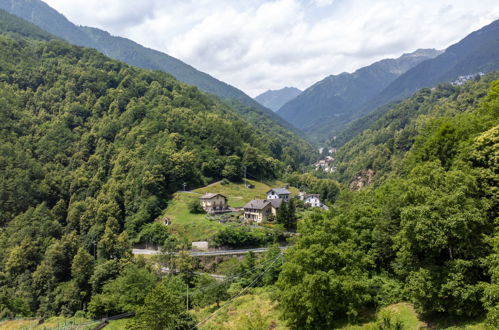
(210, 195)
(256, 204)
(280, 191)
(259, 204)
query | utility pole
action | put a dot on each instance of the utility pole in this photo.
(184, 184)
(187, 297)
(245, 184)
(94, 242)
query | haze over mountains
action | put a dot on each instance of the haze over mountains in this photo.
(275, 99)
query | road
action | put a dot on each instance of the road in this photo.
(208, 253)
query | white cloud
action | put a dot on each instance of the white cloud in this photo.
(268, 44)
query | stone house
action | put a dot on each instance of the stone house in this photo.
(212, 203)
(259, 210)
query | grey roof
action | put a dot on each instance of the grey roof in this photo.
(276, 203)
(210, 195)
(280, 191)
(257, 204)
(311, 195)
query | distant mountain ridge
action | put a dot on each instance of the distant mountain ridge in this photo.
(334, 101)
(128, 51)
(275, 99)
(475, 54)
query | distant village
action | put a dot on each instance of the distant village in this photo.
(327, 163)
(258, 210)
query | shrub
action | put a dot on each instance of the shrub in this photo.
(195, 207)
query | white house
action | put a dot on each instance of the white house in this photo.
(313, 200)
(281, 193)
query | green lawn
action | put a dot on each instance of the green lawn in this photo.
(238, 194)
(197, 227)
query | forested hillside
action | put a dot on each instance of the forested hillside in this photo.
(427, 233)
(329, 104)
(92, 149)
(384, 146)
(477, 53)
(42, 15)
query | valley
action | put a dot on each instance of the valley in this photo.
(137, 192)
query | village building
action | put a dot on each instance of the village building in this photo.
(311, 200)
(279, 193)
(325, 165)
(259, 210)
(214, 203)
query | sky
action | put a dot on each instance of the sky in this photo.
(257, 45)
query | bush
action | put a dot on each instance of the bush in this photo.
(195, 207)
(236, 237)
(153, 233)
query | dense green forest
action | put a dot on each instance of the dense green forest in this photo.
(128, 51)
(383, 147)
(426, 233)
(91, 150)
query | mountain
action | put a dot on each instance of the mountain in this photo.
(474, 55)
(42, 15)
(478, 52)
(392, 135)
(275, 99)
(335, 100)
(15, 27)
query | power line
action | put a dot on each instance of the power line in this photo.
(240, 275)
(234, 297)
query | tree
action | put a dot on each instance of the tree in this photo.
(233, 168)
(123, 294)
(82, 269)
(195, 207)
(282, 214)
(292, 219)
(207, 290)
(165, 307)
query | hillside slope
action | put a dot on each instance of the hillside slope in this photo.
(384, 145)
(475, 54)
(426, 232)
(91, 150)
(335, 100)
(42, 15)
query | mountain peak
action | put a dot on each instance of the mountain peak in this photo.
(274, 99)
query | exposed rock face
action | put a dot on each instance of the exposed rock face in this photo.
(362, 179)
